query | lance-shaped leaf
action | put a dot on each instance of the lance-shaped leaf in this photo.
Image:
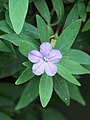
(29, 94)
(75, 93)
(58, 7)
(4, 47)
(86, 26)
(26, 47)
(15, 39)
(17, 12)
(25, 76)
(67, 37)
(27, 64)
(42, 7)
(25, 43)
(42, 29)
(78, 56)
(45, 89)
(82, 9)
(5, 27)
(30, 30)
(61, 88)
(72, 16)
(67, 75)
(74, 67)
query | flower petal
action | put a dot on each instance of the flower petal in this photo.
(54, 56)
(45, 48)
(34, 56)
(38, 68)
(50, 69)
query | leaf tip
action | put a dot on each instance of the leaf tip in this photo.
(17, 83)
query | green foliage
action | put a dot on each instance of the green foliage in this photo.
(72, 16)
(24, 25)
(30, 93)
(43, 9)
(30, 30)
(17, 11)
(4, 27)
(86, 26)
(25, 44)
(78, 69)
(82, 10)
(75, 94)
(42, 30)
(88, 7)
(44, 93)
(25, 76)
(77, 55)
(59, 8)
(65, 73)
(61, 88)
(3, 47)
(66, 39)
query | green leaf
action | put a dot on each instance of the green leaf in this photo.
(5, 27)
(17, 11)
(78, 56)
(12, 68)
(26, 47)
(7, 17)
(74, 67)
(58, 7)
(25, 43)
(4, 47)
(61, 88)
(42, 29)
(72, 16)
(13, 38)
(17, 39)
(27, 64)
(82, 10)
(52, 114)
(4, 116)
(75, 93)
(45, 89)
(67, 37)
(30, 30)
(42, 7)
(25, 76)
(88, 7)
(67, 75)
(86, 26)
(29, 94)
(7, 54)
(87, 67)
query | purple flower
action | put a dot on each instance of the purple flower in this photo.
(45, 59)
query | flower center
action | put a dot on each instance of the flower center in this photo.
(45, 59)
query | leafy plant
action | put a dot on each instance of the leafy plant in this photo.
(25, 26)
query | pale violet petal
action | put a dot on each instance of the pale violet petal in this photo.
(38, 68)
(50, 69)
(34, 56)
(45, 48)
(54, 56)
